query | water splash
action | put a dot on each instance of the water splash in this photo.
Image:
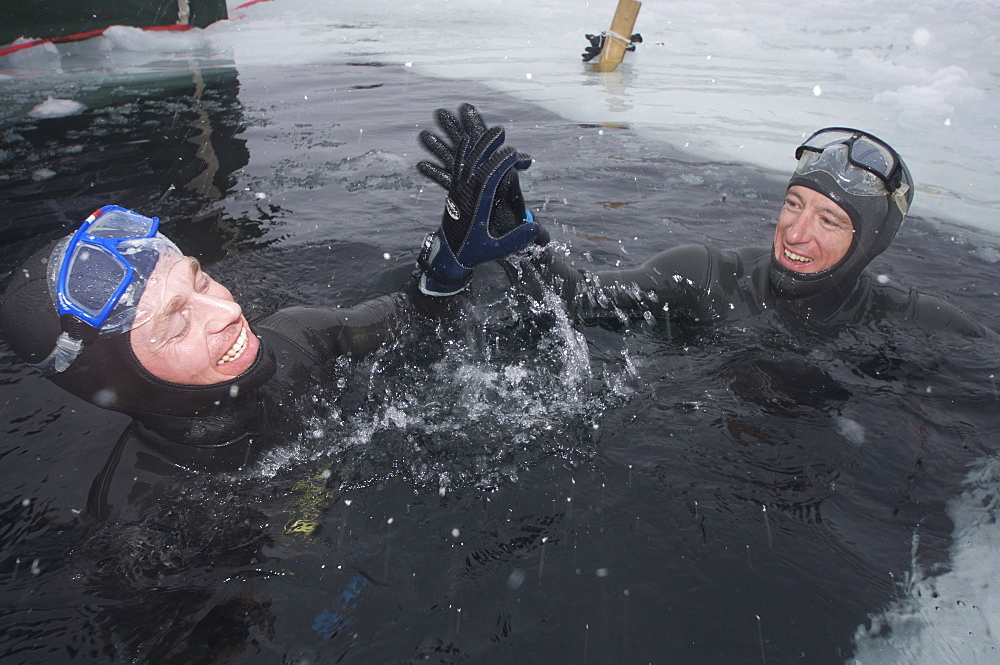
(469, 404)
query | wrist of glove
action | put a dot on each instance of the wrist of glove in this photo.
(439, 272)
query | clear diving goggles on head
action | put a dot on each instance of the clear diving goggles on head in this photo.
(861, 163)
(97, 277)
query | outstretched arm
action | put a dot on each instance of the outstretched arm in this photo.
(326, 333)
(675, 281)
(588, 293)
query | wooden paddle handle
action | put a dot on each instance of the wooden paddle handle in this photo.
(621, 32)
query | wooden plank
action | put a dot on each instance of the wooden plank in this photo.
(621, 31)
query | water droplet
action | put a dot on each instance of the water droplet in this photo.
(516, 579)
(105, 398)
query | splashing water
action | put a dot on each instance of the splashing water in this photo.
(496, 396)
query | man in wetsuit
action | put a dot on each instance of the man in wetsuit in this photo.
(844, 203)
(116, 315)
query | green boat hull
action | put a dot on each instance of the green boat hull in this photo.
(43, 19)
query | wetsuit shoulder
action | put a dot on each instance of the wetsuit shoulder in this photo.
(737, 284)
(891, 300)
(328, 332)
(145, 464)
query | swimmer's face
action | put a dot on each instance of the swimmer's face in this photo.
(813, 233)
(196, 334)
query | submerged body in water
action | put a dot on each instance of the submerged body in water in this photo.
(646, 490)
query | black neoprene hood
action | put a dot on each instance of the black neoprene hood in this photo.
(107, 373)
(876, 220)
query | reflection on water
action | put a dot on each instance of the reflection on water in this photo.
(168, 146)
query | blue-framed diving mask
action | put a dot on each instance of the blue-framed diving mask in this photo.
(97, 277)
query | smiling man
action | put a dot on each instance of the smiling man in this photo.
(843, 205)
(813, 233)
(117, 315)
(197, 333)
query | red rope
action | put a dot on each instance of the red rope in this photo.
(80, 36)
(251, 2)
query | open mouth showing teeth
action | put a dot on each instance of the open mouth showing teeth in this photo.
(237, 349)
(796, 257)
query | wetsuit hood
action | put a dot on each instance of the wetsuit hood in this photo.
(107, 372)
(876, 220)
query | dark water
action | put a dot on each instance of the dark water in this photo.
(516, 490)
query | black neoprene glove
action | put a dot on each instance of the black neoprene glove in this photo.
(595, 48)
(485, 217)
(508, 204)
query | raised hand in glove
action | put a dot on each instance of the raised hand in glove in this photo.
(462, 132)
(485, 218)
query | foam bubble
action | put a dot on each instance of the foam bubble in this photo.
(105, 398)
(851, 430)
(921, 37)
(516, 579)
(56, 108)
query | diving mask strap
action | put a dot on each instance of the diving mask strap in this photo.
(899, 197)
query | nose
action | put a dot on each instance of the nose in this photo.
(219, 312)
(800, 228)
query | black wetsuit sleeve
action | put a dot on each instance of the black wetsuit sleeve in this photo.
(326, 332)
(675, 281)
